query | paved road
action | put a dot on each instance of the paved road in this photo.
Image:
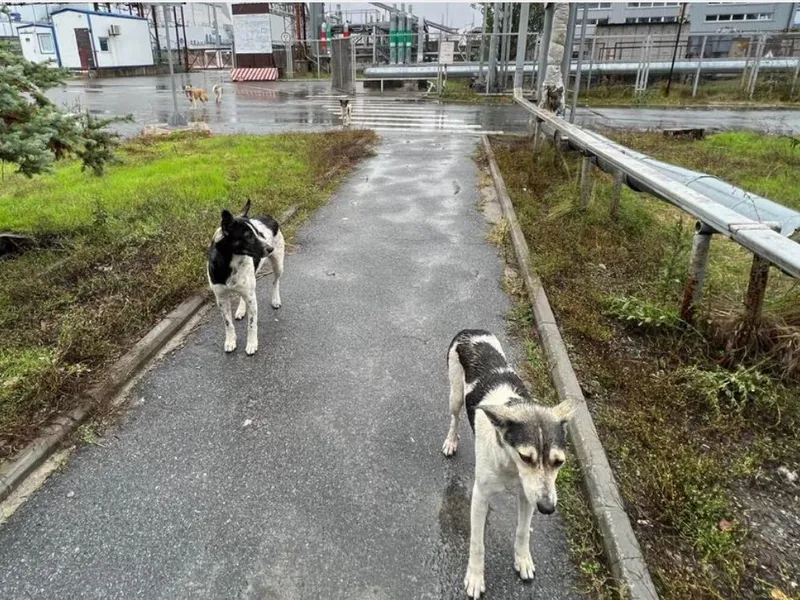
(284, 106)
(338, 488)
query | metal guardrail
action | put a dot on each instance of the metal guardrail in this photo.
(758, 238)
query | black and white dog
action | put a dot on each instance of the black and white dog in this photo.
(519, 445)
(346, 111)
(237, 252)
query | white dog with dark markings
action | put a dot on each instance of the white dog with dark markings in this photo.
(519, 445)
(346, 111)
(235, 256)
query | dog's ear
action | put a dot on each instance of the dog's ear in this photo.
(227, 219)
(501, 416)
(246, 208)
(564, 411)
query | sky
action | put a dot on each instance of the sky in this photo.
(453, 14)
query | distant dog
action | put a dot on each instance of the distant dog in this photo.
(346, 111)
(235, 256)
(519, 445)
(217, 89)
(194, 94)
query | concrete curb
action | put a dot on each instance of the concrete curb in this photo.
(14, 471)
(624, 555)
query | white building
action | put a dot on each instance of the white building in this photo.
(39, 44)
(88, 39)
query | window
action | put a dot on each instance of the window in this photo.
(45, 43)
(629, 20)
(103, 44)
(603, 21)
(740, 17)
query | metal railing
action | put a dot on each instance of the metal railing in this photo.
(759, 238)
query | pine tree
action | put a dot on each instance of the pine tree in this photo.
(34, 133)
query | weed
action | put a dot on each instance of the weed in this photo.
(726, 391)
(641, 312)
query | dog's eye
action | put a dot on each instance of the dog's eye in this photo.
(558, 463)
(526, 458)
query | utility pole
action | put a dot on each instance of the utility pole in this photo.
(176, 119)
(485, 11)
(177, 36)
(490, 81)
(675, 50)
(185, 41)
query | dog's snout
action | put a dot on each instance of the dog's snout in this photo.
(546, 506)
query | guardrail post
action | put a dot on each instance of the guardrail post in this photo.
(586, 179)
(754, 302)
(616, 195)
(693, 289)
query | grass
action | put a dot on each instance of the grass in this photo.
(459, 91)
(770, 89)
(694, 431)
(117, 252)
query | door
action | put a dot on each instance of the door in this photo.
(84, 48)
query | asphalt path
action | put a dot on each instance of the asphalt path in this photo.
(314, 468)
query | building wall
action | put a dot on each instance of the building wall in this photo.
(35, 49)
(610, 47)
(130, 48)
(750, 16)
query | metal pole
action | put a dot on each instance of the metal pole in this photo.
(185, 42)
(544, 45)
(746, 61)
(699, 65)
(577, 86)
(754, 303)
(693, 289)
(794, 79)
(288, 47)
(616, 195)
(591, 63)
(586, 180)
(507, 42)
(421, 40)
(675, 50)
(566, 61)
(217, 37)
(481, 77)
(177, 37)
(757, 65)
(491, 76)
(522, 41)
(155, 30)
(176, 119)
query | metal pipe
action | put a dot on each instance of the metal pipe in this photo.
(607, 68)
(577, 85)
(699, 65)
(756, 237)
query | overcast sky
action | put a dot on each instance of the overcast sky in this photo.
(454, 14)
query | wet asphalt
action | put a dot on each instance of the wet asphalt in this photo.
(251, 107)
(336, 488)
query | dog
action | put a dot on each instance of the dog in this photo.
(194, 94)
(346, 111)
(217, 89)
(236, 254)
(520, 445)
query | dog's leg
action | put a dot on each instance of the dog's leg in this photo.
(456, 373)
(276, 260)
(523, 563)
(252, 322)
(230, 332)
(241, 311)
(474, 582)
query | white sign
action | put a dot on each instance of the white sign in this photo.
(446, 52)
(252, 34)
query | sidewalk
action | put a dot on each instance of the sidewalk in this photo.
(337, 488)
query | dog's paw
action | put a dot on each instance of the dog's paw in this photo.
(230, 345)
(474, 583)
(523, 564)
(276, 303)
(252, 348)
(450, 445)
(240, 312)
